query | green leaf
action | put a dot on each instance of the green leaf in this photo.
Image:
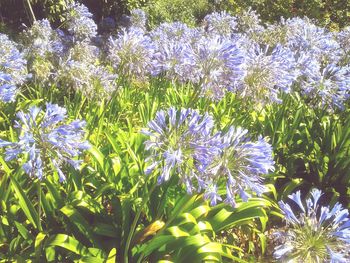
(69, 243)
(105, 230)
(38, 244)
(25, 204)
(79, 221)
(98, 156)
(112, 256)
(24, 232)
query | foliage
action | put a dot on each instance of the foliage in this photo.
(192, 87)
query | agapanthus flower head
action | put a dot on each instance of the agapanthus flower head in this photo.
(268, 73)
(175, 60)
(79, 22)
(182, 143)
(47, 141)
(316, 233)
(138, 18)
(221, 24)
(175, 32)
(330, 86)
(343, 38)
(84, 52)
(43, 48)
(249, 22)
(241, 163)
(132, 53)
(41, 40)
(304, 36)
(218, 65)
(13, 69)
(91, 80)
(272, 35)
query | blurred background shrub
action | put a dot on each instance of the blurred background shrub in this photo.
(334, 14)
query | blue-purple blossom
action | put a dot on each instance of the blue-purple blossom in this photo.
(249, 22)
(315, 234)
(305, 37)
(43, 48)
(41, 40)
(47, 141)
(13, 69)
(91, 80)
(175, 32)
(343, 38)
(268, 73)
(175, 57)
(221, 24)
(138, 18)
(175, 60)
(79, 22)
(240, 163)
(218, 65)
(132, 53)
(329, 86)
(180, 142)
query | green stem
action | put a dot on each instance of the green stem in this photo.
(39, 205)
(31, 10)
(136, 219)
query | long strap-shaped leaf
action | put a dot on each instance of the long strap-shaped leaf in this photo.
(25, 204)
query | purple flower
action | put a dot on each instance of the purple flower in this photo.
(268, 74)
(13, 69)
(180, 142)
(48, 142)
(221, 24)
(41, 40)
(175, 32)
(303, 36)
(343, 38)
(132, 53)
(93, 81)
(328, 86)
(218, 65)
(241, 163)
(138, 18)
(79, 22)
(317, 233)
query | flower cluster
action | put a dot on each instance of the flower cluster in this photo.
(221, 24)
(71, 59)
(268, 73)
(47, 141)
(302, 36)
(79, 22)
(13, 70)
(91, 80)
(239, 54)
(138, 18)
(329, 85)
(218, 65)
(183, 142)
(316, 234)
(343, 38)
(41, 40)
(132, 53)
